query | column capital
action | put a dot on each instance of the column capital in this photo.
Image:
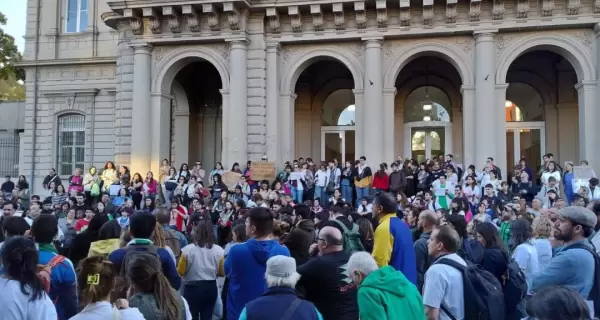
(467, 89)
(160, 94)
(389, 91)
(224, 92)
(502, 86)
(238, 43)
(586, 84)
(485, 35)
(358, 92)
(273, 46)
(290, 95)
(373, 42)
(141, 47)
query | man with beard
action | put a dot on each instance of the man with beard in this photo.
(427, 222)
(573, 263)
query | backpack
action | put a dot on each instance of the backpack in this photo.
(514, 285)
(44, 271)
(132, 250)
(351, 238)
(173, 242)
(595, 292)
(483, 296)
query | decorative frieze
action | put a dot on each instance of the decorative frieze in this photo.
(193, 19)
(547, 8)
(173, 18)
(405, 13)
(573, 7)
(153, 20)
(428, 12)
(317, 15)
(522, 8)
(295, 18)
(475, 10)
(135, 21)
(361, 14)
(338, 16)
(382, 18)
(213, 16)
(498, 10)
(233, 15)
(274, 23)
(451, 11)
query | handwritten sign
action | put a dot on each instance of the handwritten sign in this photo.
(262, 170)
(231, 179)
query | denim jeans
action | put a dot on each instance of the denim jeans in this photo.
(346, 190)
(320, 193)
(360, 193)
(297, 194)
(201, 297)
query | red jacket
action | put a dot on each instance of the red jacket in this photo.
(179, 220)
(381, 181)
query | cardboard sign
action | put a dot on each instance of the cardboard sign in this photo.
(231, 179)
(583, 173)
(262, 170)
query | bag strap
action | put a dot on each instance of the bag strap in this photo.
(56, 260)
(341, 224)
(447, 312)
(292, 309)
(451, 263)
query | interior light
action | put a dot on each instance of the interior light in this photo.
(351, 108)
(508, 104)
(427, 107)
(426, 118)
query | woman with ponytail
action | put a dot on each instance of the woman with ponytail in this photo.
(22, 294)
(96, 279)
(152, 293)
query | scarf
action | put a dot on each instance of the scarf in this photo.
(140, 242)
(47, 247)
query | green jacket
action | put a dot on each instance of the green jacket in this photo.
(387, 294)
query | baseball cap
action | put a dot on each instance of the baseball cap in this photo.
(579, 215)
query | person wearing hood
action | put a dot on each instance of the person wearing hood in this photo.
(383, 293)
(246, 263)
(298, 241)
(109, 239)
(427, 222)
(82, 242)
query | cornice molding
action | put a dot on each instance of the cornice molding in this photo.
(69, 92)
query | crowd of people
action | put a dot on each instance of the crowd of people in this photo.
(319, 241)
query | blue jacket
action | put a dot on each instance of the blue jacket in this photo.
(182, 239)
(63, 286)
(245, 267)
(394, 246)
(274, 304)
(168, 265)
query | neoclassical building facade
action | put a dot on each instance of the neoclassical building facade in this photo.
(139, 81)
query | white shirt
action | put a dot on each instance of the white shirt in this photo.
(444, 285)
(526, 257)
(105, 311)
(17, 306)
(544, 252)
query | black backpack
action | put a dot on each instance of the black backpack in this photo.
(514, 285)
(595, 292)
(482, 292)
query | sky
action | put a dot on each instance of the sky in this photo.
(16, 14)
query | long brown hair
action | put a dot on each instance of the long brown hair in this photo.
(158, 236)
(204, 236)
(145, 274)
(96, 278)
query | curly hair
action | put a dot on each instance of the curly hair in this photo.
(542, 227)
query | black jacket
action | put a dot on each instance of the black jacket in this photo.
(298, 241)
(422, 258)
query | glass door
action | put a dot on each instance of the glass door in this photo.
(525, 141)
(427, 143)
(337, 144)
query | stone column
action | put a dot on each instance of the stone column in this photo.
(373, 115)
(499, 113)
(181, 137)
(389, 150)
(485, 76)
(159, 136)
(286, 126)
(273, 142)
(141, 144)
(238, 88)
(468, 125)
(359, 126)
(588, 148)
(225, 132)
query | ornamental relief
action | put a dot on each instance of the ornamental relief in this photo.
(290, 54)
(218, 51)
(392, 49)
(582, 37)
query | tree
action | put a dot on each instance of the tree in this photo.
(11, 77)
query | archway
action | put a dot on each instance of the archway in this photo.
(427, 109)
(323, 117)
(541, 109)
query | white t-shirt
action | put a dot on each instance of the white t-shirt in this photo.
(526, 257)
(444, 285)
(544, 252)
(17, 306)
(105, 311)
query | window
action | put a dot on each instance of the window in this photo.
(427, 104)
(71, 143)
(339, 109)
(77, 16)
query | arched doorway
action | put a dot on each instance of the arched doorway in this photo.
(541, 109)
(197, 115)
(428, 109)
(324, 112)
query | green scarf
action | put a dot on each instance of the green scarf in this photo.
(47, 247)
(140, 241)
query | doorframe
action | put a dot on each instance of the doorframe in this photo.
(427, 125)
(341, 130)
(531, 125)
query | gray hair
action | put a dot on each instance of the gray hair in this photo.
(289, 282)
(362, 262)
(281, 272)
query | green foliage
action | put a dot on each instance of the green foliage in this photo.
(11, 77)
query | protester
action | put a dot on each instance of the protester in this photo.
(300, 238)
(427, 222)
(383, 293)
(558, 303)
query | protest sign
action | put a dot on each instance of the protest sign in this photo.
(262, 170)
(231, 179)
